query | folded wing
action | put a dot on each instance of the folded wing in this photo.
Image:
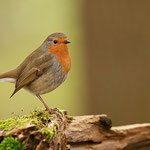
(29, 75)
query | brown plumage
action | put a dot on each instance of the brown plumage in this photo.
(44, 69)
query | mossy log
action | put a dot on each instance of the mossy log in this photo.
(42, 131)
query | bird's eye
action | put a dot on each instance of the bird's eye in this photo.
(55, 41)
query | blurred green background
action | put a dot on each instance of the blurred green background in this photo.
(24, 25)
(109, 49)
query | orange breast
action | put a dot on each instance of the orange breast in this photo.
(63, 57)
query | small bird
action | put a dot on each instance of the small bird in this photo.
(44, 69)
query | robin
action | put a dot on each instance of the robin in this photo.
(44, 69)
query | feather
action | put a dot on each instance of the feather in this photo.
(11, 80)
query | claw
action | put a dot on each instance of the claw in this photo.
(56, 111)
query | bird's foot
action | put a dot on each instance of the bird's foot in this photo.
(55, 111)
(58, 111)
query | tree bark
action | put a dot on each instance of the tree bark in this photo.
(93, 132)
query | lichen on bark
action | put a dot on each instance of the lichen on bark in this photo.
(39, 126)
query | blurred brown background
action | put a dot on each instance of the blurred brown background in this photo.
(117, 40)
(110, 52)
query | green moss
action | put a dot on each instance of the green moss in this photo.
(9, 143)
(38, 117)
(50, 132)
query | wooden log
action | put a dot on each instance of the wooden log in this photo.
(40, 131)
(92, 132)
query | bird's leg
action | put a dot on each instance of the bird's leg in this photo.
(47, 108)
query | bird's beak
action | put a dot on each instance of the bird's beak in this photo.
(67, 42)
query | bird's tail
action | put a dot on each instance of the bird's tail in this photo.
(8, 76)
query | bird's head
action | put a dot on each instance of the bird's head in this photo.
(56, 43)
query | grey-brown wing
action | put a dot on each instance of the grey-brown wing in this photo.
(29, 76)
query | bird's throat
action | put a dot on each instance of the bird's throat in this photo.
(63, 57)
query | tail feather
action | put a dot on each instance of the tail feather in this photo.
(10, 76)
(11, 80)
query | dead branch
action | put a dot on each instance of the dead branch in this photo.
(91, 132)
